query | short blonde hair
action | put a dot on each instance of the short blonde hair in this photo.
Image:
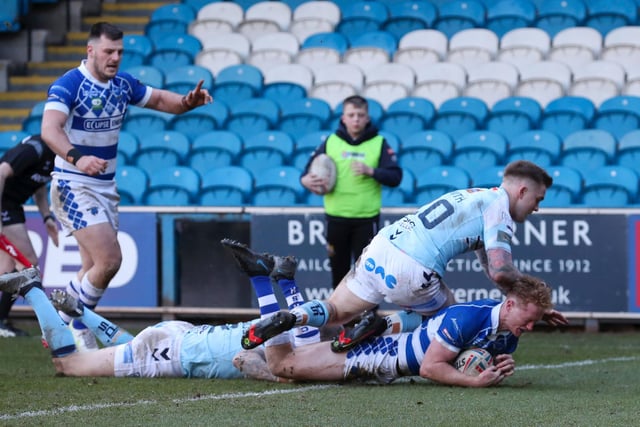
(530, 289)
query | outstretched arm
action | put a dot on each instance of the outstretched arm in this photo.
(253, 364)
(171, 102)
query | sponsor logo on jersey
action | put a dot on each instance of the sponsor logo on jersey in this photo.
(389, 280)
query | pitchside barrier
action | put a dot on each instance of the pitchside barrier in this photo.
(173, 265)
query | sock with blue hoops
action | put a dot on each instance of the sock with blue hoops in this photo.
(302, 335)
(268, 305)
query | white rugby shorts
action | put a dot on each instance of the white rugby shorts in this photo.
(385, 273)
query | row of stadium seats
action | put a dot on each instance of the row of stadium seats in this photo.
(509, 117)
(349, 17)
(426, 64)
(604, 187)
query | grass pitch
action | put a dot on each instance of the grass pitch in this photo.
(562, 379)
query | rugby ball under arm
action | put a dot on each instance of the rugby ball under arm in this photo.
(324, 167)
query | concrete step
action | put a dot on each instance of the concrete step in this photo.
(13, 116)
(126, 23)
(51, 68)
(32, 82)
(11, 127)
(21, 98)
(134, 8)
(66, 53)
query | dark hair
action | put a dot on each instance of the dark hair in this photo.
(357, 101)
(106, 29)
(527, 169)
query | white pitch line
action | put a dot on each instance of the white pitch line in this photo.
(577, 363)
(77, 408)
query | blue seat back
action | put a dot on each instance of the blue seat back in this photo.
(436, 181)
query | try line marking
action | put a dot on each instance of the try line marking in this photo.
(79, 408)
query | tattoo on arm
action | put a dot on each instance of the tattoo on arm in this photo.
(501, 268)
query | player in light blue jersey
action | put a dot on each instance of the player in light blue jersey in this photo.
(167, 349)
(428, 351)
(405, 262)
(81, 123)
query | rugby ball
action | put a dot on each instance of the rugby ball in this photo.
(473, 361)
(324, 167)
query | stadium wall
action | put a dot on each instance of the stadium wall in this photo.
(173, 263)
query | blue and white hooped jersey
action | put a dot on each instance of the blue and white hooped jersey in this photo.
(457, 327)
(455, 223)
(96, 113)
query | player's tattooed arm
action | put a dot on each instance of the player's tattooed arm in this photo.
(501, 269)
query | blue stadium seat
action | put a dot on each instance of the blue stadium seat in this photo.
(360, 17)
(605, 15)
(174, 50)
(588, 149)
(32, 123)
(538, 146)
(181, 12)
(237, 83)
(628, 152)
(173, 186)
(10, 15)
(567, 114)
(226, 186)
(407, 116)
(10, 138)
(610, 186)
(169, 19)
(304, 116)
(137, 48)
(201, 120)
(128, 146)
(132, 182)
(305, 145)
(479, 150)
(252, 116)
(436, 181)
(618, 115)
(334, 40)
(401, 195)
(488, 178)
(378, 39)
(409, 15)
(214, 149)
(185, 78)
(278, 186)
(425, 149)
(266, 150)
(458, 15)
(557, 15)
(161, 150)
(461, 115)
(144, 121)
(148, 75)
(506, 15)
(566, 189)
(514, 115)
